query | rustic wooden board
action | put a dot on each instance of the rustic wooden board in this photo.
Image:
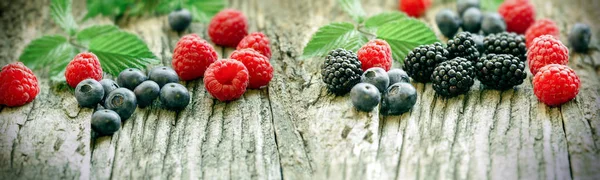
(294, 129)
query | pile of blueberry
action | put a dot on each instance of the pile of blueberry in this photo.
(392, 88)
(132, 89)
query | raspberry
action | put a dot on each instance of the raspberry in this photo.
(541, 27)
(192, 56)
(257, 41)
(226, 79)
(414, 8)
(376, 53)
(228, 27)
(83, 66)
(258, 66)
(555, 84)
(18, 85)
(546, 50)
(518, 15)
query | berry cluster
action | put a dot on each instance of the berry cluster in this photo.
(248, 66)
(470, 19)
(133, 88)
(392, 88)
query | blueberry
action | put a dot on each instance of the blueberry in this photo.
(106, 122)
(365, 96)
(448, 22)
(478, 39)
(109, 85)
(122, 101)
(399, 98)
(89, 93)
(163, 75)
(398, 75)
(131, 78)
(146, 93)
(179, 20)
(463, 5)
(493, 23)
(376, 76)
(174, 96)
(579, 37)
(471, 20)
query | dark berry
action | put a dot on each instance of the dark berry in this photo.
(106, 122)
(448, 22)
(365, 96)
(341, 71)
(493, 23)
(478, 39)
(163, 75)
(506, 43)
(500, 71)
(377, 77)
(131, 78)
(579, 37)
(179, 20)
(453, 77)
(89, 93)
(463, 5)
(471, 20)
(400, 98)
(398, 75)
(420, 62)
(122, 101)
(463, 45)
(174, 96)
(109, 85)
(146, 93)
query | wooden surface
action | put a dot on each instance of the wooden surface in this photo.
(294, 129)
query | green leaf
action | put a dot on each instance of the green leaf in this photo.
(405, 35)
(60, 10)
(354, 9)
(384, 18)
(106, 7)
(334, 35)
(203, 11)
(53, 52)
(490, 5)
(121, 50)
(86, 35)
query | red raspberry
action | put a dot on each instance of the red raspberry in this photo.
(518, 15)
(376, 53)
(226, 79)
(257, 41)
(228, 28)
(258, 66)
(546, 50)
(83, 66)
(541, 27)
(18, 85)
(414, 8)
(191, 57)
(555, 84)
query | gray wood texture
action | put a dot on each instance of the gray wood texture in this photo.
(294, 129)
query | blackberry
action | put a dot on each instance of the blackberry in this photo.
(420, 62)
(506, 43)
(341, 71)
(462, 45)
(500, 71)
(453, 77)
